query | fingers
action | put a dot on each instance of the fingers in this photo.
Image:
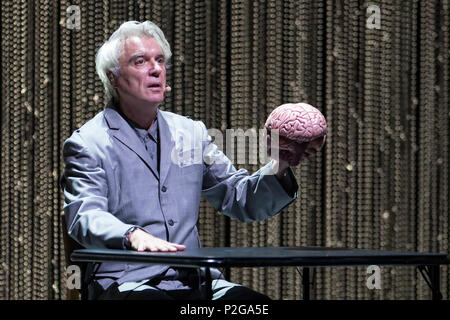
(295, 153)
(164, 246)
(179, 247)
(146, 242)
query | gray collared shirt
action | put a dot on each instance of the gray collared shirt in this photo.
(150, 140)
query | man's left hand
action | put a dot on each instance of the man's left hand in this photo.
(292, 153)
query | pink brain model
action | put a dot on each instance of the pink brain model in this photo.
(298, 122)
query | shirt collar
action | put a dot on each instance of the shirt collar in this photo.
(142, 133)
(152, 133)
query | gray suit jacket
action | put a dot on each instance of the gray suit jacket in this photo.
(110, 186)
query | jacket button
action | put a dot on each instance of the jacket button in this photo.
(171, 223)
(164, 189)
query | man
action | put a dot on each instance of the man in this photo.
(127, 184)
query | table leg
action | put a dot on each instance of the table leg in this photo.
(435, 280)
(209, 294)
(305, 282)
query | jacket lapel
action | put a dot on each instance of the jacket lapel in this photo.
(167, 144)
(122, 131)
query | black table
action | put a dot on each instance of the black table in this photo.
(306, 257)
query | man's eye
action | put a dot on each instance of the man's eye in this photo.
(139, 61)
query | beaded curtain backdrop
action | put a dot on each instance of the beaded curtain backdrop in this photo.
(377, 70)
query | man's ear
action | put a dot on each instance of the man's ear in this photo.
(112, 78)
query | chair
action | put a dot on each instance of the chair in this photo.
(69, 246)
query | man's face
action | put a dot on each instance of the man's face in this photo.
(142, 75)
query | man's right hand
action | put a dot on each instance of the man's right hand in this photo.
(143, 241)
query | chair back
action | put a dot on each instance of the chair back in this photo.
(69, 246)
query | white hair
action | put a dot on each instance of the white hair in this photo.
(107, 58)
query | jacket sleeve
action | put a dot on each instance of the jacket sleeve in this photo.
(239, 195)
(85, 190)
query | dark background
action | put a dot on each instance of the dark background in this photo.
(381, 181)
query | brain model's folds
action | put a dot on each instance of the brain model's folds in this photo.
(298, 122)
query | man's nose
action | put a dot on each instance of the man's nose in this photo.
(155, 69)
